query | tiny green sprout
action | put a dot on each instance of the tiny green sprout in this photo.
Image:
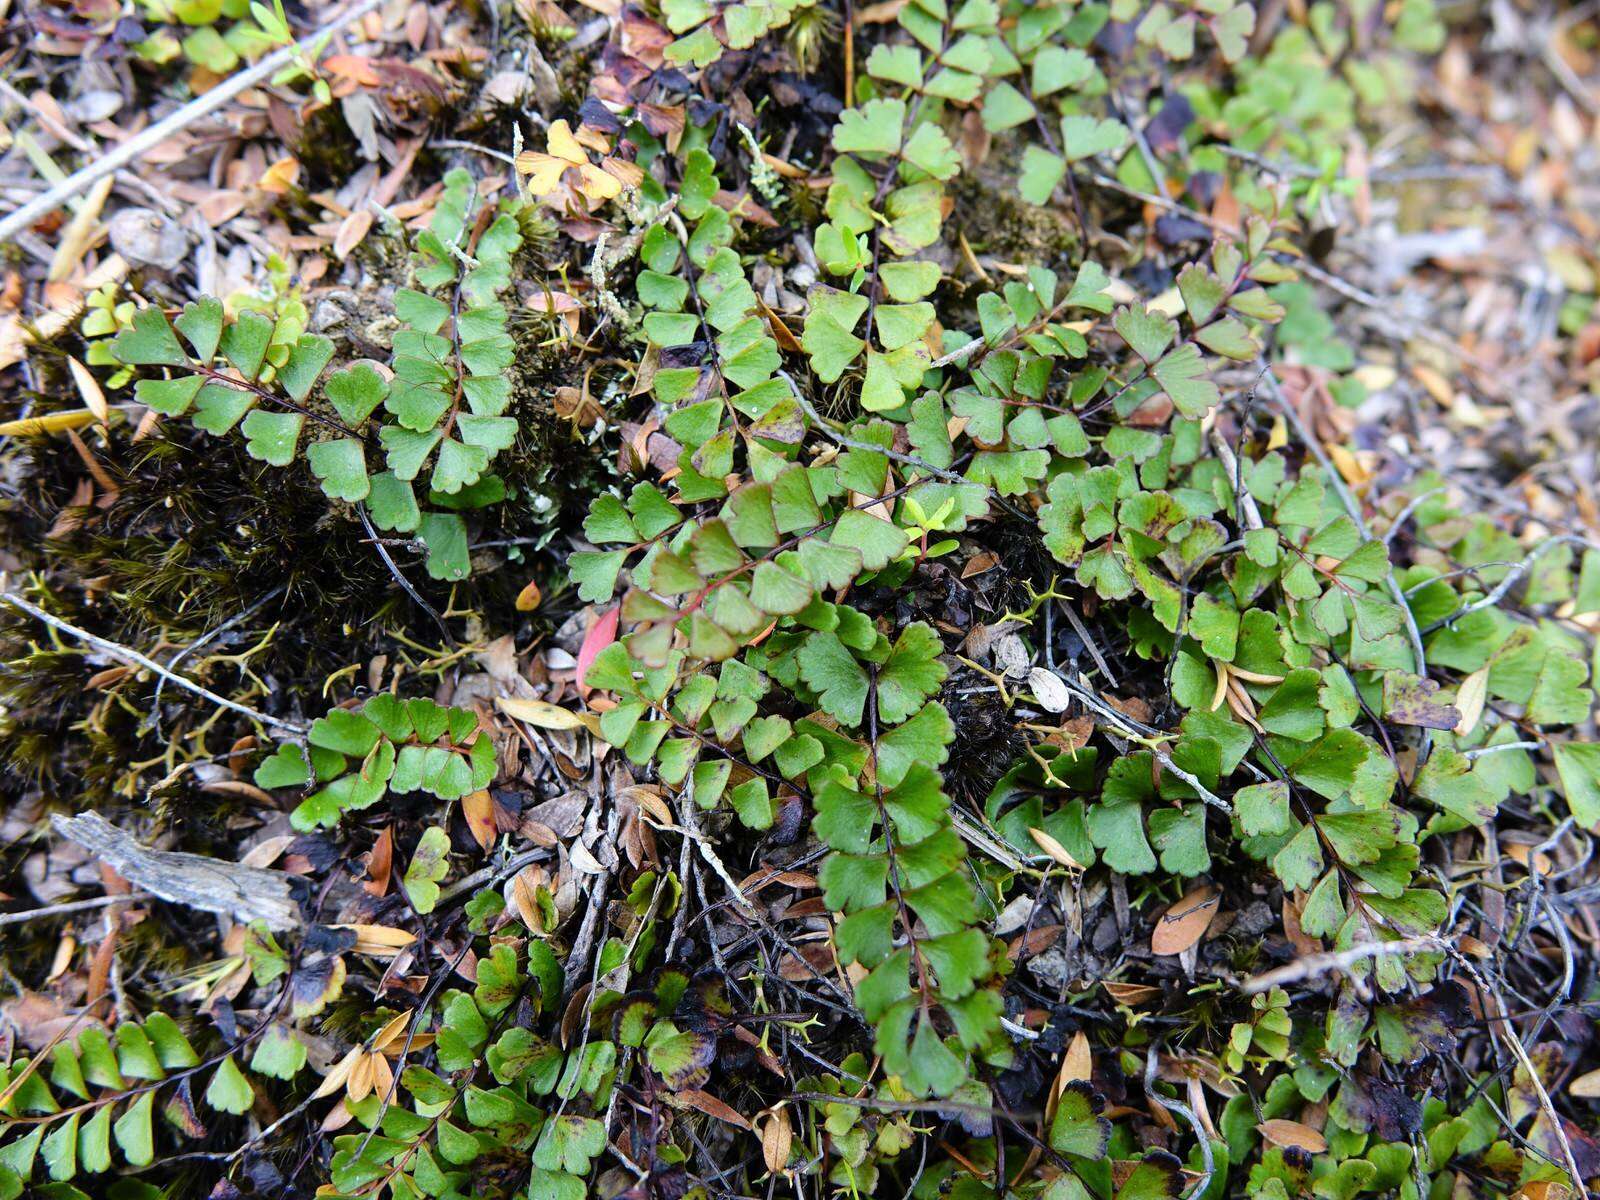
(924, 525)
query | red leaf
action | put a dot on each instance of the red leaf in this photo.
(601, 634)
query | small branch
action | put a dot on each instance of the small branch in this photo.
(825, 428)
(399, 576)
(194, 880)
(1312, 965)
(1405, 513)
(491, 875)
(1127, 729)
(1474, 755)
(296, 728)
(70, 906)
(205, 640)
(956, 355)
(1513, 577)
(1208, 1163)
(138, 145)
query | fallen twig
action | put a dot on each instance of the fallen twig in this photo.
(194, 880)
(70, 906)
(1312, 965)
(295, 728)
(200, 106)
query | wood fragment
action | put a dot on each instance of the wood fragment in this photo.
(193, 880)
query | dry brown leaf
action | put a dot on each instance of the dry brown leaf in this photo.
(526, 902)
(266, 852)
(1586, 1086)
(1131, 994)
(649, 801)
(1293, 1135)
(1182, 925)
(540, 713)
(352, 231)
(478, 808)
(380, 863)
(1055, 849)
(777, 1137)
(985, 560)
(710, 1105)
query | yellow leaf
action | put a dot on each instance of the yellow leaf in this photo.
(58, 422)
(89, 390)
(359, 1086)
(1055, 849)
(339, 1075)
(596, 185)
(543, 171)
(538, 712)
(391, 1031)
(381, 941)
(563, 145)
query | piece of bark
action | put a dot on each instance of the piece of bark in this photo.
(244, 893)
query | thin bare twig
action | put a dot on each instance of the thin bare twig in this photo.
(1311, 966)
(70, 906)
(201, 106)
(295, 728)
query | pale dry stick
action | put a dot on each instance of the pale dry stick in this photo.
(70, 906)
(1513, 576)
(456, 144)
(826, 429)
(1082, 630)
(200, 106)
(205, 640)
(1311, 966)
(84, 146)
(1559, 67)
(689, 824)
(295, 728)
(972, 833)
(1503, 1028)
(1207, 1162)
(1404, 514)
(956, 355)
(1230, 464)
(1474, 755)
(489, 875)
(1127, 730)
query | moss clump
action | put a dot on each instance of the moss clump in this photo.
(994, 220)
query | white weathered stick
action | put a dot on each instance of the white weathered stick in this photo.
(244, 893)
(140, 143)
(133, 656)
